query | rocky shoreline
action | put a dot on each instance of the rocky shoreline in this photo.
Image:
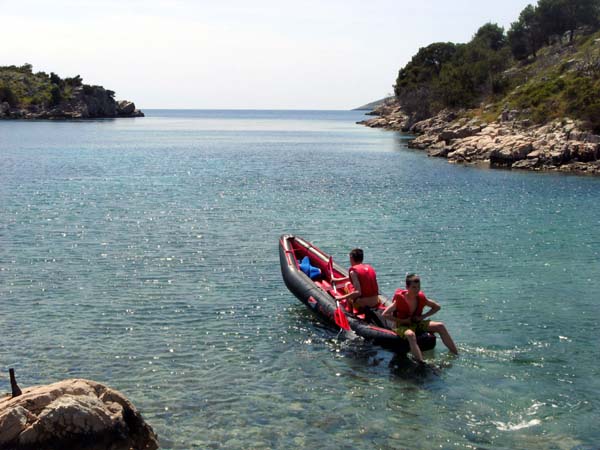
(508, 142)
(86, 103)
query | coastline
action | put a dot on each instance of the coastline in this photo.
(80, 109)
(558, 146)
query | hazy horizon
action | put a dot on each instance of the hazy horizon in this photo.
(272, 55)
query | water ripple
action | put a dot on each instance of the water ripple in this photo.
(144, 254)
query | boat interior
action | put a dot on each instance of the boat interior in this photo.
(330, 277)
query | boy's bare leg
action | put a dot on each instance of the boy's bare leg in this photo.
(440, 328)
(414, 347)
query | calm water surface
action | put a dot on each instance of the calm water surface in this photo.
(143, 253)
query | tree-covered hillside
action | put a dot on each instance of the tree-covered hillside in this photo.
(547, 65)
(25, 94)
(19, 86)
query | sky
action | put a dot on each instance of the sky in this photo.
(233, 54)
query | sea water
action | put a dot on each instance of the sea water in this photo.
(143, 253)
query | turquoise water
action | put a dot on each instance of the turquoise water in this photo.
(143, 253)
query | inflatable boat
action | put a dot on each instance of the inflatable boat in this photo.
(318, 282)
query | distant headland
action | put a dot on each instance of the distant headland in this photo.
(28, 95)
(373, 105)
(528, 98)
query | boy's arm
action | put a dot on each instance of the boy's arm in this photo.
(433, 308)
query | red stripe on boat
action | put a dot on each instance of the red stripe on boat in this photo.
(382, 330)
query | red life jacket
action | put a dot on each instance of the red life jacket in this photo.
(402, 306)
(367, 279)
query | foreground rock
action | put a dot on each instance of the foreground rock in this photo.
(562, 145)
(72, 414)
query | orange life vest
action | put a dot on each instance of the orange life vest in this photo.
(367, 279)
(402, 306)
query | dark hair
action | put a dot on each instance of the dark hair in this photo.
(409, 278)
(357, 255)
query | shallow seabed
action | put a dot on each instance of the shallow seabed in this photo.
(143, 253)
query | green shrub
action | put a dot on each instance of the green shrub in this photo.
(7, 95)
(75, 81)
(444, 74)
(56, 95)
(582, 96)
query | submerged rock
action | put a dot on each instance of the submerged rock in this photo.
(73, 414)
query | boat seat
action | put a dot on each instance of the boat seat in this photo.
(370, 315)
(324, 284)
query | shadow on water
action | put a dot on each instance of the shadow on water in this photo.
(366, 355)
(403, 367)
(401, 140)
(363, 355)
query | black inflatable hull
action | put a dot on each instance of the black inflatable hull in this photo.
(322, 303)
